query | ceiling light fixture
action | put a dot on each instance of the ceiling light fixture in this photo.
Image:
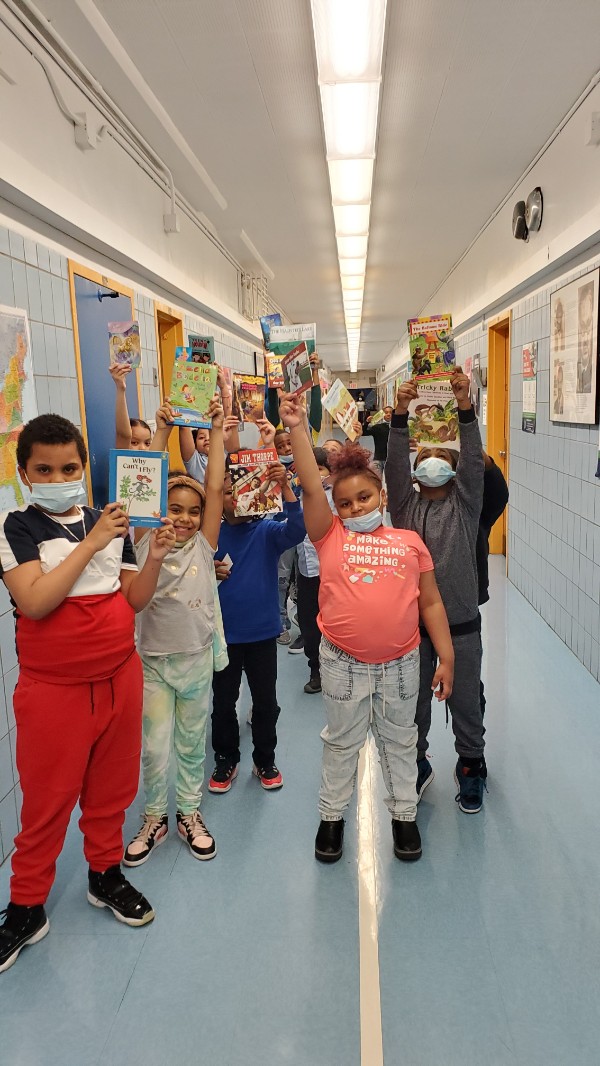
(349, 47)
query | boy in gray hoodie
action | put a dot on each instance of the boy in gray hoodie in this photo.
(445, 513)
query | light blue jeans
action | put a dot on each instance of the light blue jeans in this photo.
(177, 691)
(284, 572)
(359, 696)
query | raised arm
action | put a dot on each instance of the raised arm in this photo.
(398, 474)
(317, 512)
(470, 467)
(315, 411)
(187, 446)
(164, 417)
(226, 395)
(215, 474)
(123, 425)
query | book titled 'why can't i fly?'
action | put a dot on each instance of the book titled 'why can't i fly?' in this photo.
(138, 481)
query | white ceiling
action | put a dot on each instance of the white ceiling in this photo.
(471, 90)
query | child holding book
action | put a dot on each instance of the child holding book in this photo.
(375, 582)
(194, 444)
(446, 512)
(72, 576)
(131, 433)
(249, 601)
(178, 635)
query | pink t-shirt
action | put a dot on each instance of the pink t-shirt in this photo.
(369, 593)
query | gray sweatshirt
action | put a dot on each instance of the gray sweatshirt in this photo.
(447, 526)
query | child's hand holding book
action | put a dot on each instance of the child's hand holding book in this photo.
(113, 522)
(162, 540)
(215, 412)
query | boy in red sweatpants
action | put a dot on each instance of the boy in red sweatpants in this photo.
(72, 576)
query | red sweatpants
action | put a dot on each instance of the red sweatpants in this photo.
(83, 742)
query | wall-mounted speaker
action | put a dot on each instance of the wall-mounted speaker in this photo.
(519, 225)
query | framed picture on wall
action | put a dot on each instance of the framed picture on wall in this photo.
(574, 351)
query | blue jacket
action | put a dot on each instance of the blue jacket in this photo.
(250, 595)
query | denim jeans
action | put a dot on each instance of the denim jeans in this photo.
(359, 696)
(284, 576)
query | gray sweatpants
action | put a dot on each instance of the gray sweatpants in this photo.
(464, 703)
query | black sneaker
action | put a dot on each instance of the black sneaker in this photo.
(152, 833)
(329, 841)
(297, 646)
(21, 926)
(223, 775)
(425, 775)
(470, 777)
(197, 837)
(112, 890)
(407, 840)
(269, 776)
(313, 685)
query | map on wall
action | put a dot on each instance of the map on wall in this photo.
(17, 399)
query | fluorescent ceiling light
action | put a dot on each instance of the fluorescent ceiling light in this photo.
(350, 119)
(355, 282)
(352, 305)
(348, 38)
(351, 220)
(351, 180)
(350, 247)
(352, 266)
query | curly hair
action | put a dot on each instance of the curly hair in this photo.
(353, 460)
(48, 429)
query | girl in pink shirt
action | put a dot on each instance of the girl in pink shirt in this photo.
(377, 584)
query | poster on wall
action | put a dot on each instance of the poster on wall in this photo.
(17, 400)
(573, 351)
(528, 417)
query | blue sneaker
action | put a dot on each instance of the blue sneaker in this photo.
(470, 781)
(425, 775)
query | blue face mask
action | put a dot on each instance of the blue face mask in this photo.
(59, 498)
(434, 472)
(365, 523)
(287, 460)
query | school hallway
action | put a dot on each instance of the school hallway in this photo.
(487, 948)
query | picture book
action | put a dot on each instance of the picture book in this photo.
(266, 324)
(284, 338)
(378, 417)
(138, 481)
(248, 397)
(341, 407)
(274, 371)
(431, 346)
(192, 388)
(203, 348)
(296, 369)
(433, 416)
(254, 491)
(124, 344)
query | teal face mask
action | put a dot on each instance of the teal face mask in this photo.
(59, 498)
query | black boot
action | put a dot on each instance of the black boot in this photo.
(407, 840)
(111, 889)
(329, 841)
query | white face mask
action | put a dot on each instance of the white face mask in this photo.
(365, 523)
(434, 472)
(287, 460)
(59, 497)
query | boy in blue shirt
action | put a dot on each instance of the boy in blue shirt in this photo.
(250, 608)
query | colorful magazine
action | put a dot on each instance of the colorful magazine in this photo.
(266, 324)
(342, 408)
(254, 492)
(284, 338)
(138, 481)
(203, 348)
(192, 389)
(248, 399)
(124, 344)
(431, 346)
(274, 371)
(433, 416)
(296, 369)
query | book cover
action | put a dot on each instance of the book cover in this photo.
(341, 407)
(254, 492)
(266, 324)
(203, 348)
(431, 346)
(433, 416)
(274, 371)
(138, 481)
(377, 418)
(124, 344)
(296, 370)
(192, 388)
(284, 338)
(248, 397)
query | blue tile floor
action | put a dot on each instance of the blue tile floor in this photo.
(488, 947)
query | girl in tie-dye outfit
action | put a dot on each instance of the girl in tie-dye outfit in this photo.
(181, 642)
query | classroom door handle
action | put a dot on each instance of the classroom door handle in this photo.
(502, 455)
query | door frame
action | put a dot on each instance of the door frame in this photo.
(165, 314)
(123, 290)
(498, 414)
